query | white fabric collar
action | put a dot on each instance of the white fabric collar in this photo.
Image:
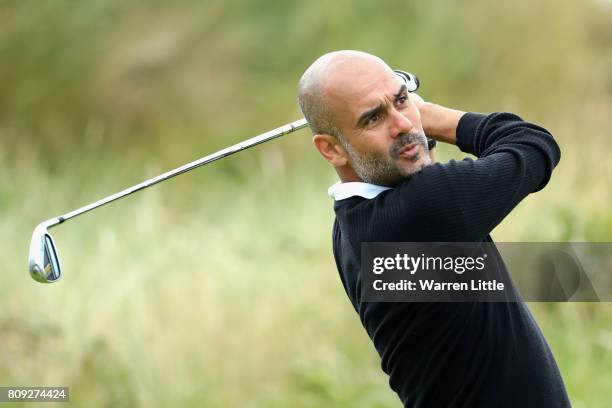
(341, 191)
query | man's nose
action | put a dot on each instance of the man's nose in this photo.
(400, 124)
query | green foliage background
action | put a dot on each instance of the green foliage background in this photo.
(219, 288)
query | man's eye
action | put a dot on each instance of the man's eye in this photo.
(402, 100)
(373, 119)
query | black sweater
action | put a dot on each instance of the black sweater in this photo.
(457, 354)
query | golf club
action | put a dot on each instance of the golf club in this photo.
(44, 264)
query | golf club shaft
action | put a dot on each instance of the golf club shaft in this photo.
(264, 137)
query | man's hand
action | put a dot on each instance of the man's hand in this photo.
(438, 122)
(416, 99)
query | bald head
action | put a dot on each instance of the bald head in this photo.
(325, 76)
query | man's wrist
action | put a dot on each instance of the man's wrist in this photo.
(440, 123)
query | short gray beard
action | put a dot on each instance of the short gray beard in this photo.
(376, 168)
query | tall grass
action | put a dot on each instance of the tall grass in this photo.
(219, 288)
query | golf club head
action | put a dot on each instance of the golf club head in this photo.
(43, 262)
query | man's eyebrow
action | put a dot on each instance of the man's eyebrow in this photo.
(399, 93)
(380, 108)
(366, 115)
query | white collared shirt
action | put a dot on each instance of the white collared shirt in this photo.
(341, 191)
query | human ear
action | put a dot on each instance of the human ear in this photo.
(330, 149)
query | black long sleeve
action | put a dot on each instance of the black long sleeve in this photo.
(516, 158)
(461, 354)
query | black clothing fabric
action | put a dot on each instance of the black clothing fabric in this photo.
(457, 354)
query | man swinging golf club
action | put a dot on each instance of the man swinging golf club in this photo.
(374, 133)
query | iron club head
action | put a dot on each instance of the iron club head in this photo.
(44, 264)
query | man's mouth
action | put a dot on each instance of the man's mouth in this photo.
(407, 146)
(409, 150)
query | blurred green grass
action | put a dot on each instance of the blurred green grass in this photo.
(219, 288)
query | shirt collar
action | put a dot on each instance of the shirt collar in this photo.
(341, 191)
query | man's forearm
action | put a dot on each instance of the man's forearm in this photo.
(440, 123)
